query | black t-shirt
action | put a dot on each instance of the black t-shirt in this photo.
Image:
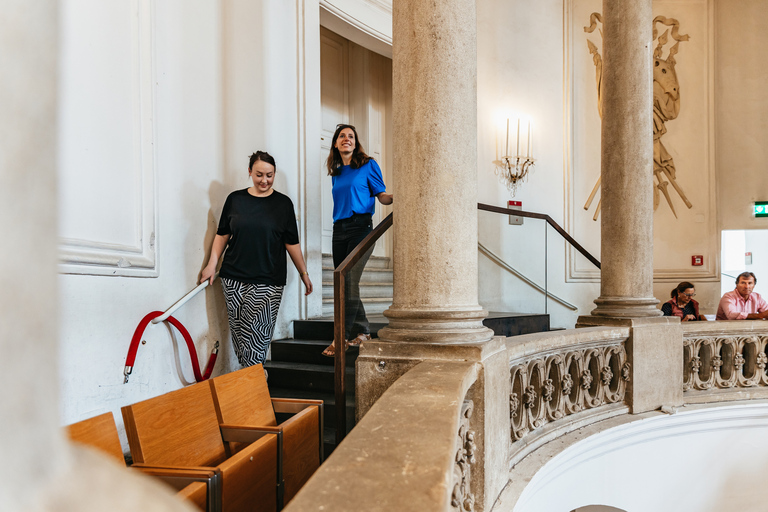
(259, 228)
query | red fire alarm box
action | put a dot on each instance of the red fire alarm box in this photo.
(697, 261)
(515, 220)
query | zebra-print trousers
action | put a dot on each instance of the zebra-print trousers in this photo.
(252, 311)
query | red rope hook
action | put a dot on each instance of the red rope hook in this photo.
(131, 358)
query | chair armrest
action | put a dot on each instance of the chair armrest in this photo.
(293, 405)
(247, 434)
(181, 478)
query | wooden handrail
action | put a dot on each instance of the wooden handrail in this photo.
(339, 292)
(542, 216)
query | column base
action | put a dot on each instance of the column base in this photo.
(626, 307)
(439, 326)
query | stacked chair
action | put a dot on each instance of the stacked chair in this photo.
(242, 400)
(218, 442)
(100, 433)
(181, 429)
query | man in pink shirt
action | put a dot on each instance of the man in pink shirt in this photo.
(742, 303)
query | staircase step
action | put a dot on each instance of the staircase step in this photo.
(367, 290)
(329, 401)
(304, 376)
(322, 328)
(515, 324)
(503, 324)
(373, 262)
(370, 275)
(308, 351)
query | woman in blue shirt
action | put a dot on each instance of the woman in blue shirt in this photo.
(357, 182)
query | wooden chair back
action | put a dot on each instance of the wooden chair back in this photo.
(242, 397)
(99, 432)
(179, 428)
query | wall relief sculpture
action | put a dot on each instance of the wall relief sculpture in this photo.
(666, 107)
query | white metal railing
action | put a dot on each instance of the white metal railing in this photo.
(171, 310)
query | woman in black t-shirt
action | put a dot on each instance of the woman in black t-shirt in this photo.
(257, 227)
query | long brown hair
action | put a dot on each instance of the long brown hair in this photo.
(334, 161)
(680, 288)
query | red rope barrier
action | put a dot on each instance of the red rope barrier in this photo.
(131, 357)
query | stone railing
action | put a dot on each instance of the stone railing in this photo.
(414, 450)
(559, 382)
(725, 361)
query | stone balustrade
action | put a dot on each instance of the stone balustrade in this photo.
(725, 361)
(414, 450)
(562, 381)
(421, 446)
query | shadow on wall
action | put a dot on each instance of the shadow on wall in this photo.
(598, 508)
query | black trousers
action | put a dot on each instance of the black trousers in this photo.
(347, 234)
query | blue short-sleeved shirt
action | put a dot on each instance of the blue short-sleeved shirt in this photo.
(354, 190)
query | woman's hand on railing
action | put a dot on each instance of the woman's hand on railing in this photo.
(208, 273)
(384, 198)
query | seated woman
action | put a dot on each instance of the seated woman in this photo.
(682, 304)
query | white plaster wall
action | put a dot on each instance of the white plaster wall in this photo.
(521, 71)
(742, 44)
(231, 78)
(704, 460)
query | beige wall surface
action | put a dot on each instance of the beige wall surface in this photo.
(742, 108)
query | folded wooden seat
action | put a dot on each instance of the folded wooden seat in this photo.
(181, 429)
(242, 399)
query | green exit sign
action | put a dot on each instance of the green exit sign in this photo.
(761, 208)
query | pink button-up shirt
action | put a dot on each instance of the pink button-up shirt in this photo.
(734, 307)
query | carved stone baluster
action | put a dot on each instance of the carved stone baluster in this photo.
(462, 498)
(762, 360)
(688, 372)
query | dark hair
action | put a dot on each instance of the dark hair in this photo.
(334, 162)
(746, 275)
(681, 288)
(261, 156)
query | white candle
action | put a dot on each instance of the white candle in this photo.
(517, 150)
(506, 147)
(528, 153)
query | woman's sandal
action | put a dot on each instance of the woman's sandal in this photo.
(330, 350)
(360, 338)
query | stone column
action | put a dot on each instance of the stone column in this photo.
(435, 174)
(435, 314)
(626, 287)
(655, 344)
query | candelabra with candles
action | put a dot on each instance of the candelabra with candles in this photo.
(514, 169)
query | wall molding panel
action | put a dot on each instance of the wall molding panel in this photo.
(108, 192)
(690, 140)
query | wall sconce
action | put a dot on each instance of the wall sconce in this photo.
(514, 168)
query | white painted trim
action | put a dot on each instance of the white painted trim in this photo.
(92, 257)
(356, 30)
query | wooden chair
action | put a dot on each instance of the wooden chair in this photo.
(181, 429)
(100, 432)
(242, 399)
